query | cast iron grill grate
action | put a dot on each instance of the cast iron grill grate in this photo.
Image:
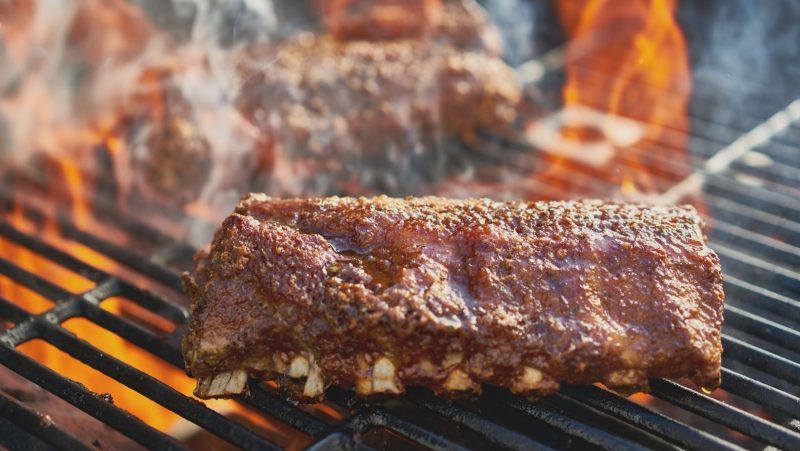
(754, 229)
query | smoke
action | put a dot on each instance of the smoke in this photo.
(747, 50)
(64, 65)
(516, 20)
(156, 76)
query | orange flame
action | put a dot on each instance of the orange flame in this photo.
(629, 59)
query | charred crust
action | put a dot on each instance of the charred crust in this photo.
(379, 294)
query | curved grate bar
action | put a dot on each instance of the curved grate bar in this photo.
(759, 392)
(655, 423)
(762, 327)
(759, 358)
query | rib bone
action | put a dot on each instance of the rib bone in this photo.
(224, 384)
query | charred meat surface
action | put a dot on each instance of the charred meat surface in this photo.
(383, 293)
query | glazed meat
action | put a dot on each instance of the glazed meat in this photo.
(383, 293)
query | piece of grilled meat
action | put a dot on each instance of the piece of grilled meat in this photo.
(367, 118)
(382, 293)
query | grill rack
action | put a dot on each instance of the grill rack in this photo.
(577, 415)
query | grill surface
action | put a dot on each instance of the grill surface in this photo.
(754, 214)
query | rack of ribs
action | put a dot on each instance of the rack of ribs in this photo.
(331, 114)
(379, 294)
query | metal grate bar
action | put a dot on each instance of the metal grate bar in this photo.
(774, 173)
(146, 299)
(41, 248)
(123, 255)
(759, 358)
(339, 442)
(12, 312)
(378, 417)
(728, 415)
(498, 434)
(590, 434)
(739, 263)
(32, 281)
(653, 422)
(738, 213)
(153, 302)
(759, 392)
(30, 328)
(783, 148)
(766, 247)
(133, 333)
(41, 426)
(778, 203)
(90, 403)
(275, 406)
(762, 328)
(492, 431)
(744, 293)
(15, 437)
(152, 388)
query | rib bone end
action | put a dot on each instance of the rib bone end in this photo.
(221, 385)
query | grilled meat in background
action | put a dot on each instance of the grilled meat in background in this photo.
(365, 118)
(462, 24)
(327, 114)
(382, 293)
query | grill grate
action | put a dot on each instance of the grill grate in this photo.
(576, 416)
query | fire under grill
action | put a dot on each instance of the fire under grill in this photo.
(744, 165)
